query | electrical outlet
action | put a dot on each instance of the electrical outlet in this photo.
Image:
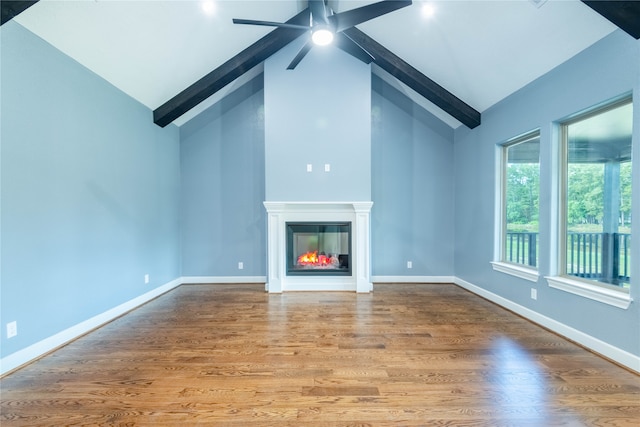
(146, 279)
(409, 264)
(327, 167)
(240, 265)
(534, 293)
(12, 329)
(309, 167)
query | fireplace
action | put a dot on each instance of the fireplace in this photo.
(332, 238)
(318, 248)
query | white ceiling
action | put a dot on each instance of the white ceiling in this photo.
(481, 51)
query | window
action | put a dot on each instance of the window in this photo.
(519, 190)
(595, 220)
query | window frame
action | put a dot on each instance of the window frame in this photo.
(559, 279)
(499, 263)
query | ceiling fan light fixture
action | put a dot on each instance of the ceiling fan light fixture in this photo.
(322, 36)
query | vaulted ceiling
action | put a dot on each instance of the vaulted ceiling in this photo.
(179, 56)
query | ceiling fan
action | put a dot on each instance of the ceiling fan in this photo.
(325, 25)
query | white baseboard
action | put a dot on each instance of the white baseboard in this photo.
(34, 351)
(616, 354)
(412, 279)
(201, 280)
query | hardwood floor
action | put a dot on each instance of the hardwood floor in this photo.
(406, 355)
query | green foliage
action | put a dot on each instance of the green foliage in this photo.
(585, 195)
(523, 184)
(585, 182)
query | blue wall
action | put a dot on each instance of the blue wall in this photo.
(317, 115)
(89, 195)
(606, 70)
(412, 186)
(224, 160)
(222, 166)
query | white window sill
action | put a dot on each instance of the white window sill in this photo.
(520, 271)
(620, 299)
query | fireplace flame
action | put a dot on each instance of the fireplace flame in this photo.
(312, 259)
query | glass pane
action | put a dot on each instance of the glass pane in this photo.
(318, 248)
(598, 196)
(522, 191)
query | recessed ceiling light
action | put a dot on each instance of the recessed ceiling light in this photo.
(428, 10)
(208, 6)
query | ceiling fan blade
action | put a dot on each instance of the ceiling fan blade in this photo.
(350, 18)
(347, 44)
(301, 54)
(270, 24)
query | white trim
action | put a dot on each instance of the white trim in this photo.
(356, 212)
(555, 202)
(202, 280)
(616, 354)
(413, 279)
(34, 351)
(499, 190)
(597, 293)
(316, 286)
(520, 271)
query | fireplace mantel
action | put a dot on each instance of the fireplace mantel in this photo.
(279, 213)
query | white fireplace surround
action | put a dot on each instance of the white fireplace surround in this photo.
(279, 213)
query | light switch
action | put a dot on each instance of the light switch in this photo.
(327, 167)
(309, 167)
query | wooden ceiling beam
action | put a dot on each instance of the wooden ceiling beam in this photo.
(417, 81)
(625, 14)
(279, 38)
(229, 71)
(9, 9)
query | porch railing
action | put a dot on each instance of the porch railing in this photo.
(599, 256)
(522, 248)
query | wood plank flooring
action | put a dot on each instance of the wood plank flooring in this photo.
(405, 355)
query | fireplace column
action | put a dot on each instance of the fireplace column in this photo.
(363, 247)
(275, 259)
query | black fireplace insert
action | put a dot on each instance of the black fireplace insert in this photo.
(319, 248)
